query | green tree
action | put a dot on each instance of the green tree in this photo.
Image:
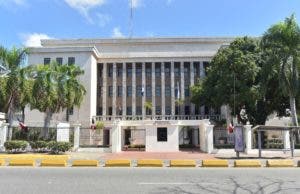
(56, 88)
(14, 84)
(282, 42)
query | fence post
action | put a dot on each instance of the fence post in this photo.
(76, 136)
(3, 135)
(248, 138)
(63, 132)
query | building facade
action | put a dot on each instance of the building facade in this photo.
(133, 79)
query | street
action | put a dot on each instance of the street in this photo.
(148, 180)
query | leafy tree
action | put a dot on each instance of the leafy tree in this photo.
(55, 88)
(282, 43)
(14, 85)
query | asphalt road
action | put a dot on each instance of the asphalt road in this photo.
(148, 180)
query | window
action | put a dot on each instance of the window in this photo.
(139, 110)
(177, 95)
(129, 71)
(162, 134)
(120, 89)
(177, 71)
(148, 72)
(110, 91)
(59, 60)
(157, 72)
(110, 110)
(110, 71)
(167, 71)
(138, 71)
(129, 91)
(186, 71)
(206, 66)
(168, 91)
(157, 90)
(99, 111)
(70, 111)
(177, 110)
(47, 61)
(157, 110)
(139, 91)
(168, 110)
(119, 71)
(187, 110)
(100, 91)
(187, 92)
(129, 110)
(71, 60)
(148, 91)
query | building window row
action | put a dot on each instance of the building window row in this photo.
(59, 60)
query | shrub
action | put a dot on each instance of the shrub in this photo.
(19, 134)
(39, 146)
(59, 147)
(15, 146)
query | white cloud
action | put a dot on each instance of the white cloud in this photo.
(6, 3)
(103, 19)
(34, 39)
(117, 33)
(135, 3)
(84, 6)
(169, 2)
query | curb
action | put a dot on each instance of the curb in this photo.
(53, 163)
(215, 163)
(117, 163)
(85, 163)
(247, 163)
(2, 162)
(22, 162)
(182, 163)
(280, 163)
(150, 163)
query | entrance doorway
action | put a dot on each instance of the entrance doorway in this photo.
(189, 137)
(127, 136)
(106, 137)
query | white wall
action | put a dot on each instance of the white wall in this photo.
(152, 145)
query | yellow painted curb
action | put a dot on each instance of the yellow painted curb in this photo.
(247, 163)
(22, 162)
(280, 163)
(182, 163)
(54, 162)
(214, 163)
(117, 163)
(2, 162)
(79, 163)
(150, 163)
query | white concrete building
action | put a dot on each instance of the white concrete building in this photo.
(123, 75)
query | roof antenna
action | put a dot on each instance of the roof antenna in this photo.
(131, 19)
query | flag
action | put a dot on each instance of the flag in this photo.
(230, 128)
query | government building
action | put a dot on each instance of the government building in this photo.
(138, 87)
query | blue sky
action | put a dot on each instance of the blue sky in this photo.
(25, 22)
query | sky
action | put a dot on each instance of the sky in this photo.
(25, 22)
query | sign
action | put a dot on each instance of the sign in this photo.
(63, 132)
(239, 139)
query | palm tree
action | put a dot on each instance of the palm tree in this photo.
(56, 87)
(283, 41)
(13, 82)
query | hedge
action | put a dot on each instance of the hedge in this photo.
(39, 146)
(15, 146)
(58, 147)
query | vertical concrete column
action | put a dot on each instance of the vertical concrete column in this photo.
(182, 86)
(114, 99)
(153, 88)
(163, 96)
(116, 137)
(172, 90)
(192, 82)
(133, 89)
(104, 89)
(124, 94)
(76, 136)
(144, 89)
(248, 138)
(3, 134)
(286, 140)
(206, 137)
